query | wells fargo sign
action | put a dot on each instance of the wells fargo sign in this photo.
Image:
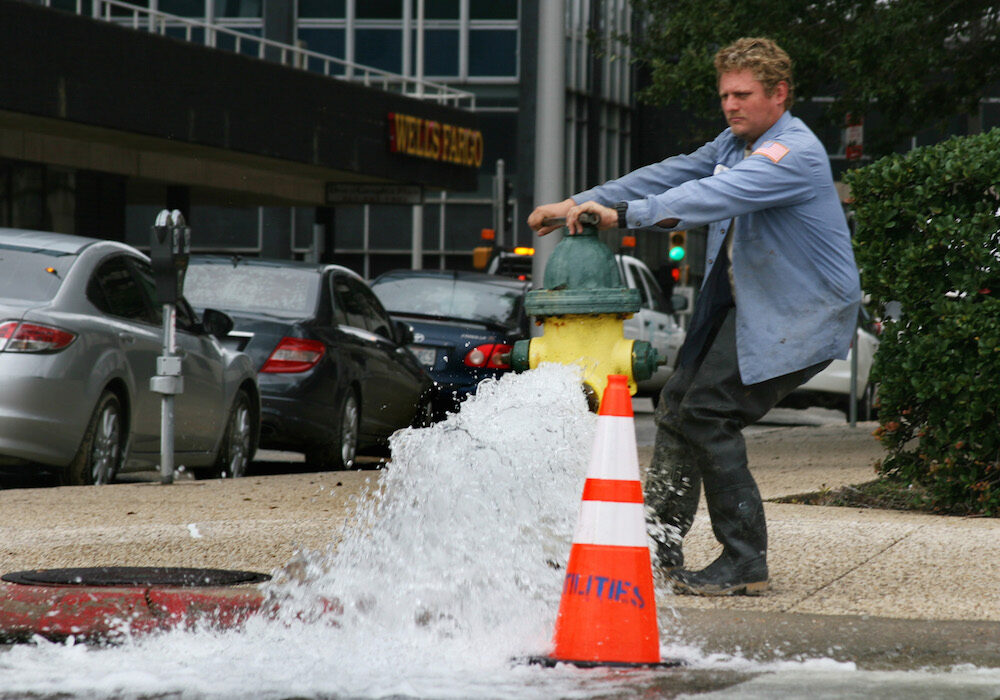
(423, 138)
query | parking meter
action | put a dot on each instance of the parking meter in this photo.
(169, 249)
(169, 245)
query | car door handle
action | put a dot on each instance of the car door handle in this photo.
(126, 338)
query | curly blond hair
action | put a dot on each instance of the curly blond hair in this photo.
(761, 56)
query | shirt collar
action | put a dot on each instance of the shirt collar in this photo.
(777, 127)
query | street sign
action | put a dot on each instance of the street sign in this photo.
(351, 193)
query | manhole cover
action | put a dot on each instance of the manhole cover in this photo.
(134, 576)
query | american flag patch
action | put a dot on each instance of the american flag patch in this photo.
(773, 150)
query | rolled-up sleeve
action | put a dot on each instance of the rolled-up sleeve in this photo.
(657, 178)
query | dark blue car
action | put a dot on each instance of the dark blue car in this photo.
(464, 324)
(335, 375)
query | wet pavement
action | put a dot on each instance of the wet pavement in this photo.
(865, 603)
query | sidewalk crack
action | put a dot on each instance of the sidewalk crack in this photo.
(791, 607)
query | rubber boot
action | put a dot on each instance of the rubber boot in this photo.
(673, 487)
(738, 523)
(673, 502)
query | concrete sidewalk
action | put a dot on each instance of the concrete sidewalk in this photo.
(824, 561)
(854, 561)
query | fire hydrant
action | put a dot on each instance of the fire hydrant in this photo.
(583, 305)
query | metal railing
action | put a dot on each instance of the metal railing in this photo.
(165, 24)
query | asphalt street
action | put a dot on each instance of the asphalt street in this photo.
(273, 462)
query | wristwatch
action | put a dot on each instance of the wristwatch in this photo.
(621, 208)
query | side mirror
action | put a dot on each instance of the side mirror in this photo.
(216, 323)
(679, 302)
(404, 334)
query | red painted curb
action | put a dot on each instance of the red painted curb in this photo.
(104, 613)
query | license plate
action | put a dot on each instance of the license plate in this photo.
(425, 356)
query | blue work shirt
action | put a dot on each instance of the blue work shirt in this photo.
(795, 281)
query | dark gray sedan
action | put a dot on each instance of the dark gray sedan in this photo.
(80, 332)
(336, 376)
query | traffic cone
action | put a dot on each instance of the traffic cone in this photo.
(608, 612)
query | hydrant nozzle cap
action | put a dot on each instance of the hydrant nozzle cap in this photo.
(644, 360)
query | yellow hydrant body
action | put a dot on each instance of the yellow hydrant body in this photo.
(594, 342)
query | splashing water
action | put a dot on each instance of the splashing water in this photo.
(460, 532)
(444, 574)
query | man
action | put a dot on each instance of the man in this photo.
(779, 302)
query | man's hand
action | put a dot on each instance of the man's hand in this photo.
(571, 211)
(608, 217)
(555, 210)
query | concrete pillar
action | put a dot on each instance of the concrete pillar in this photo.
(278, 18)
(550, 123)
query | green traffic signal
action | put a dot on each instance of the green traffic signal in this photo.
(676, 253)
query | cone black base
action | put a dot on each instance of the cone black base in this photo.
(550, 662)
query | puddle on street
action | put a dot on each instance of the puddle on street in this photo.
(442, 576)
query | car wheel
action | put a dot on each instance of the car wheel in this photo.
(340, 455)
(101, 451)
(866, 404)
(236, 449)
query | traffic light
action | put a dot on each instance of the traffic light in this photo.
(668, 275)
(678, 246)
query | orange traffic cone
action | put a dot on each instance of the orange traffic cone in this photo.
(608, 612)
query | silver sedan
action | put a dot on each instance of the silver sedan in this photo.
(80, 333)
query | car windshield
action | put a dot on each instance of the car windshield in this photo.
(276, 291)
(442, 296)
(32, 275)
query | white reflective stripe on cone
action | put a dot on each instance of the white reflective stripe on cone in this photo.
(609, 523)
(614, 455)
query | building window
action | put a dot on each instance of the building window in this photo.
(246, 47)
(439, 9)
(379, 9)
(183, 8)
(492, 52)
(193, 34)
(493, 9)
(329, 42)
(238, 8)
(440, 52)
(321, 8)
(379, 48)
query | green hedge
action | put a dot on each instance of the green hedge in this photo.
(927, 236)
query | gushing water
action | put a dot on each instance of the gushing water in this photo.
(443, 575)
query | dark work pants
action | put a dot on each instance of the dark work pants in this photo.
(700, 418)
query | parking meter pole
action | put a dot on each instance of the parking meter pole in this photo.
(170, 241)
(164, 369)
